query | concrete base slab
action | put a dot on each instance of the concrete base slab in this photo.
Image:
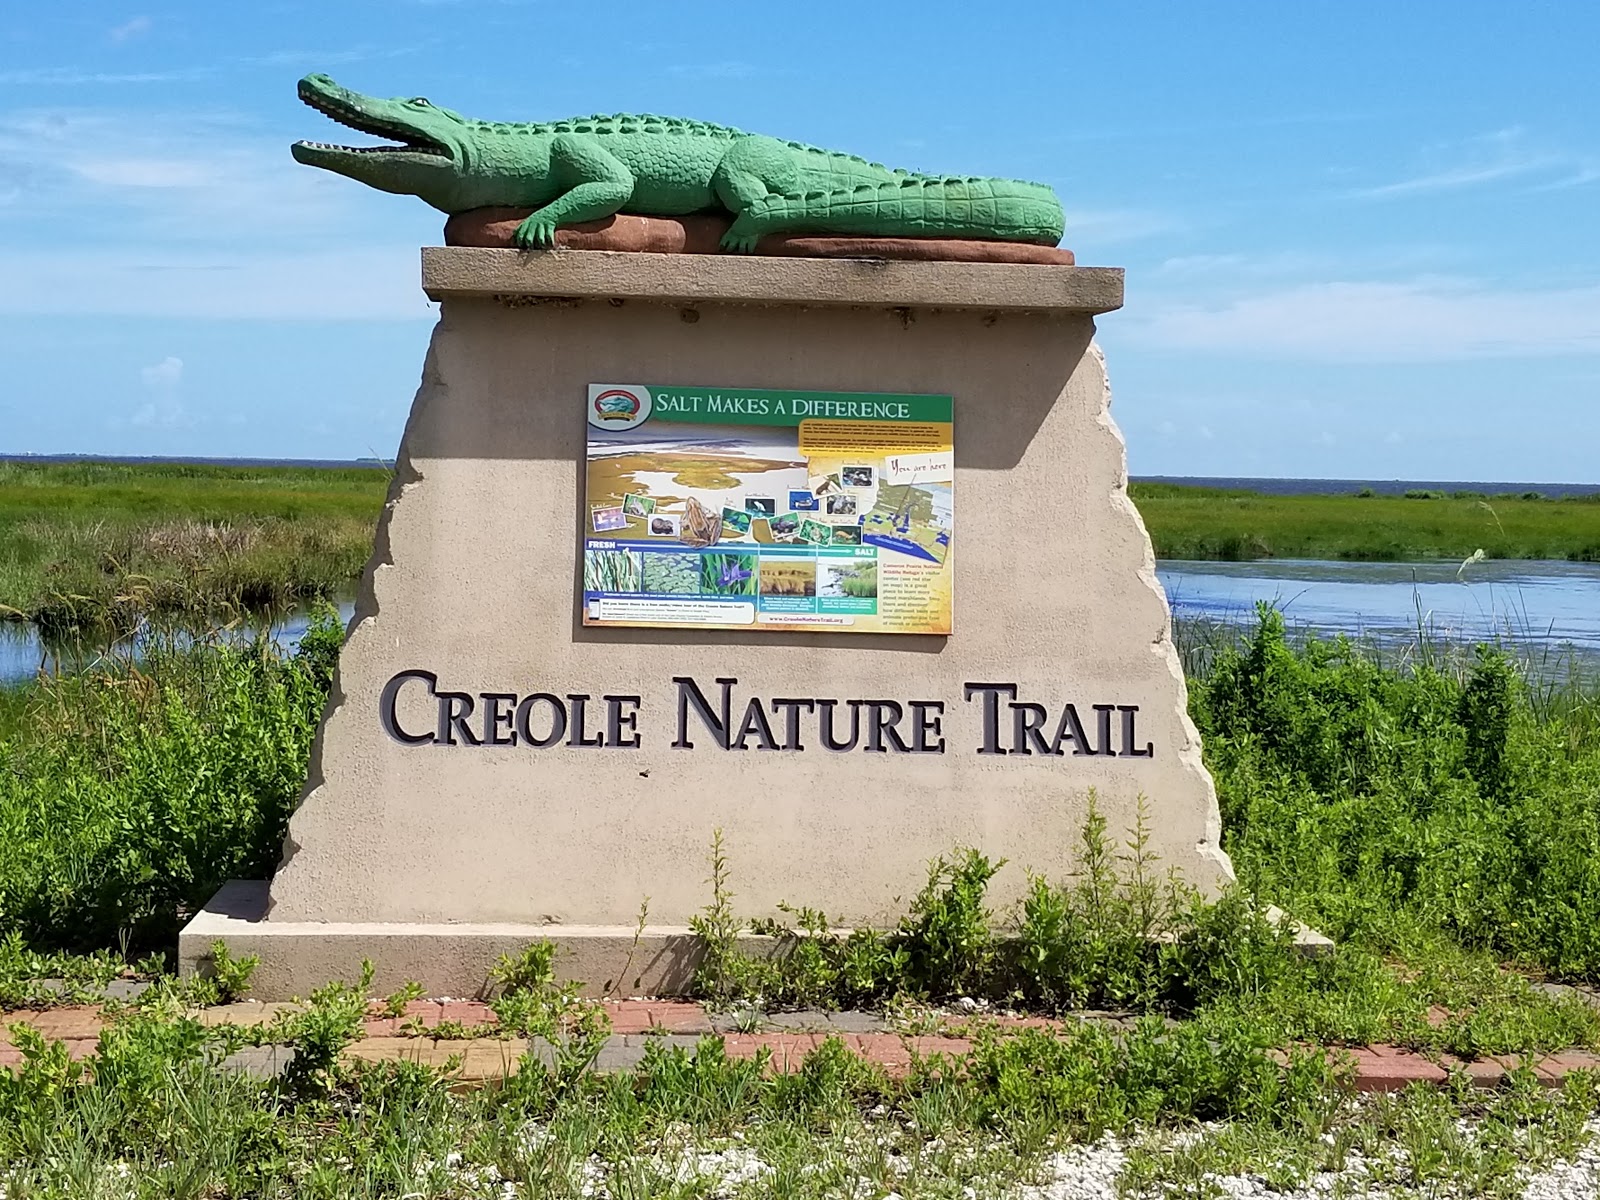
(446, 959)
(454, 959)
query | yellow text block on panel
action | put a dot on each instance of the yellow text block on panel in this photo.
(872, 437)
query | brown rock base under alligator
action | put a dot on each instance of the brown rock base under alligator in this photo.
(701, 234)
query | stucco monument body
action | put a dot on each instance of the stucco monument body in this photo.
(492, 768)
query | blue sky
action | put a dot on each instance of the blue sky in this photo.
(1361, 238)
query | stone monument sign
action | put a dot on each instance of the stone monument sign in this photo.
(826, 546)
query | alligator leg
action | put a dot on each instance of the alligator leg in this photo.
(755, 174)
(595, 184)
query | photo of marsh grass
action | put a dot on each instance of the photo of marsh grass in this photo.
(857, 579)
(728, 574)
(789, 577)
(672, 574)
(611, 571)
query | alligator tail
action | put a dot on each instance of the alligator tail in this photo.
(928, 206)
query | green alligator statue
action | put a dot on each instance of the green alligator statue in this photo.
(593, 167)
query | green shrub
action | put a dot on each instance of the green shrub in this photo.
(129, 793)
(1397, 807)
(949, 947)
(320, 1031)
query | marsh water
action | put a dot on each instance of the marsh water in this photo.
(23, 653)
(1543, 608)
(1538, 607)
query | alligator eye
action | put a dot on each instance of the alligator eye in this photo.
(421, 102)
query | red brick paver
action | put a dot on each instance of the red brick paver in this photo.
(468, 1012)
(426, 1014)
(679, 1016)
(895, 1053)
(1373, 1068)
(75, 1022)
(788, 1049)
(1553, 1068)
(1390, 1069)
(628, 1016)
(1483, 1072)
(665, 1016)
(77, 1049)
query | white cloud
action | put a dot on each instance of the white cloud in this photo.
(1455, 178)
(166, 375)
(161, 381)
(1506, 154)
(131, 29)
(1422, 320)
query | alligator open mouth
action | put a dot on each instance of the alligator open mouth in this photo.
(351, 115)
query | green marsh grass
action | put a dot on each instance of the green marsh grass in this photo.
(1215, 523)
(860, 581)
(107, 544)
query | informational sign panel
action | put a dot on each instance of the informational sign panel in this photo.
(745, 508)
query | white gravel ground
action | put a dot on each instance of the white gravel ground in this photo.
(1091, 1172)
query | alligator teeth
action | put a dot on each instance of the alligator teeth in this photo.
(402, 149)
(358, 122)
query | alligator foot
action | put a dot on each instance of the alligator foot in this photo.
(740, 243)
(538, 232)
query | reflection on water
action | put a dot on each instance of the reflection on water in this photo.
(1554, 604)
(23, 654)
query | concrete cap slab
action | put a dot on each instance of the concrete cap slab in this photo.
(450, 271)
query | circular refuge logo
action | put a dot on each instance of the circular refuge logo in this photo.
(618, 405)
